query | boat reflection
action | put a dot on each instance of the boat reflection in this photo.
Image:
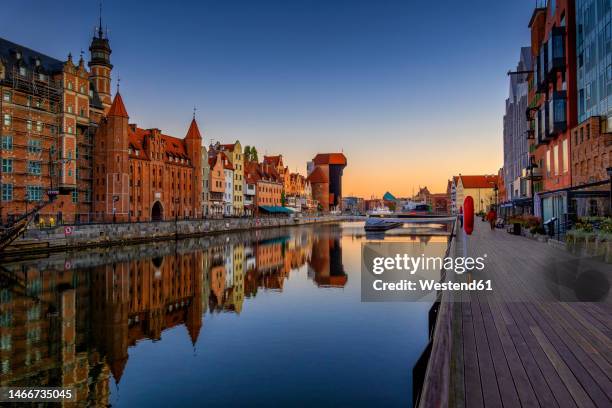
(70, 320)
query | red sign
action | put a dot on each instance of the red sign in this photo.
(468, 215)
(68, 230)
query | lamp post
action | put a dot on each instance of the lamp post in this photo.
(532, 165)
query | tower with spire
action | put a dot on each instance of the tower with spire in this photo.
(99, 64)
(193, 143)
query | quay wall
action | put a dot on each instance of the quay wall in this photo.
(36, 240)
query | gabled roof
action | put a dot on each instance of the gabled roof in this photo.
(318, 176)
(273, 160)
(484, 181)
(117, 108)
(330, 158)
(227, 164)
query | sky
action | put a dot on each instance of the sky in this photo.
(412, 92)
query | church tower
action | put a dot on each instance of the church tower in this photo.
(100, 65)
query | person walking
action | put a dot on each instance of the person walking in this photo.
(492, 217)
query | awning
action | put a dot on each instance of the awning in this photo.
(275, 209)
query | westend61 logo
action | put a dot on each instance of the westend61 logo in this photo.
(400, 271)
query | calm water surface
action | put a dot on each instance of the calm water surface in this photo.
(268, 317)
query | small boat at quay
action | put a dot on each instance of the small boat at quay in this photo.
(380, 224)
(380, 211)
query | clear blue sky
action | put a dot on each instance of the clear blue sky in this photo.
(412, 89)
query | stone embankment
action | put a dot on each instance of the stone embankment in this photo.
(64, 238)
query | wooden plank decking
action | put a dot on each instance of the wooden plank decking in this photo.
(528, 343)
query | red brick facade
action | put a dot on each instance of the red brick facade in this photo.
(591, 152)
(144, 175)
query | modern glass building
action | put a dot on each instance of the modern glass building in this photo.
(594, 59)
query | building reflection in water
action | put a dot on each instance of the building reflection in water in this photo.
(65, 325)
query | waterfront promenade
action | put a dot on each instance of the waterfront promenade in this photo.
(530, 342)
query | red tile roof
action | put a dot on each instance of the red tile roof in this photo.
(227, 164)
(273, 160)
(117, 108)
(330, 158)
(227, 147)
(173, 147)
(486, 181)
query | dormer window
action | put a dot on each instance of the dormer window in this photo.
(22, 71)
(37, 62)
(137, 152)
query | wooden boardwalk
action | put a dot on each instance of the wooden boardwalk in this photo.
(529, 342)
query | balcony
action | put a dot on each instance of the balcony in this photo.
(558, 113)
(556, 52)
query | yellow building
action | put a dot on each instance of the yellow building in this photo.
(483, 190)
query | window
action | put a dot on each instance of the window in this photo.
(7, 165)
(34, 146)
(75, 196)
(556, 159)
(548, 160)
(22, 71)
(7, 142)
(565, 156)
(70, 85)
(34, 167)
(7, 119)
(42, 77)
(34, 193)
(7, 192)
(7, 96)
(39, 126)
(29, 124)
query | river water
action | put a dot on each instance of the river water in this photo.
(270, 317)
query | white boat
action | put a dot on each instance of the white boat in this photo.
(383, 210)
(381, 224)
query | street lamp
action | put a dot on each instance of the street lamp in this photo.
(532, 165)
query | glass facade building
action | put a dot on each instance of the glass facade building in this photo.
(594, 59)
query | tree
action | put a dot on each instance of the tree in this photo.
(254, 157)
(283, 199)
(247, 153)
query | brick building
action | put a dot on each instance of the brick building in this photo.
(325, 177)
(553, 102)
(50, 109)
(143, 174)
